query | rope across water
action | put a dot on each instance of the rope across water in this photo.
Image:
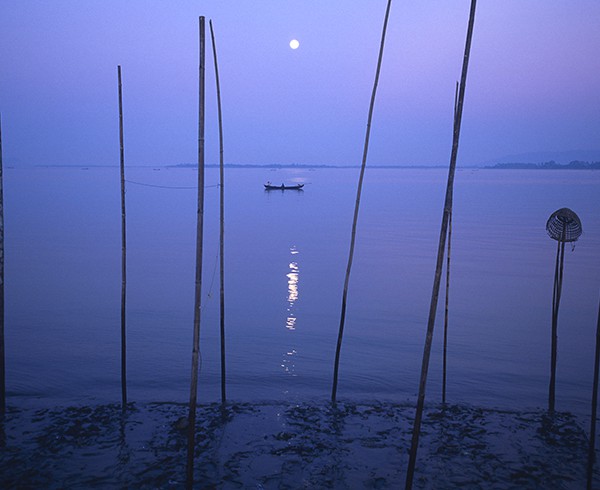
(168, 186)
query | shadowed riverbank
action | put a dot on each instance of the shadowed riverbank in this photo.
(274, 445)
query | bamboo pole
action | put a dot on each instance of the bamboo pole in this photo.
(563, 226)
(123, 253)
(455, 105)
(357, 206)
(447, 299)
(198, 288)
(222, 219)
(2, 354)
(558, 278)
(592, 448)
(445, 358)
(440, 255)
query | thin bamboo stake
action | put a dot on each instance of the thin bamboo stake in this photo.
(592, 449)
(445, 355)
(440, 256)
(123, 254)
(558, 279)
(455, 105)
(198, 289)
(445, 359)
(2, 355)
(357, 206)
(563, 226)
(222, 220)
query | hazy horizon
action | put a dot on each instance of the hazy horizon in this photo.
(561, 158)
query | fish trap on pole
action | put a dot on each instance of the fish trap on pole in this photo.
(563, 226)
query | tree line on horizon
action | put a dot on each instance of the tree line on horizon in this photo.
(551, 165)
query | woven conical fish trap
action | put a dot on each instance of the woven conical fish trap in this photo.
(564, 226)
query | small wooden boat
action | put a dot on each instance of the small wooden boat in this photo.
(282, 187)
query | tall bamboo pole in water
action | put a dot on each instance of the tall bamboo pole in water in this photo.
(445, 353)
(440, 255)
(563, 226)
(558, 278)
(2, 355)
(222, 215)
(592, 448)
(123, 253)
(198, 289)
(357, 206)
(445, 357)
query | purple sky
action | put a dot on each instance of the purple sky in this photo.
(533, 86)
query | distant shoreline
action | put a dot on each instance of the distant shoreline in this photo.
(551, 165)
(307, 166)
(575, 165)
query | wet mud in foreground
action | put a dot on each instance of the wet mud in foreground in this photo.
(271, 445)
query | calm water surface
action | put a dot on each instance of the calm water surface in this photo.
(285, 260)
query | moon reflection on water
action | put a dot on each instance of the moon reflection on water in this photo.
(288, 363)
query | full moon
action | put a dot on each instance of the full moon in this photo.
(294, 44)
